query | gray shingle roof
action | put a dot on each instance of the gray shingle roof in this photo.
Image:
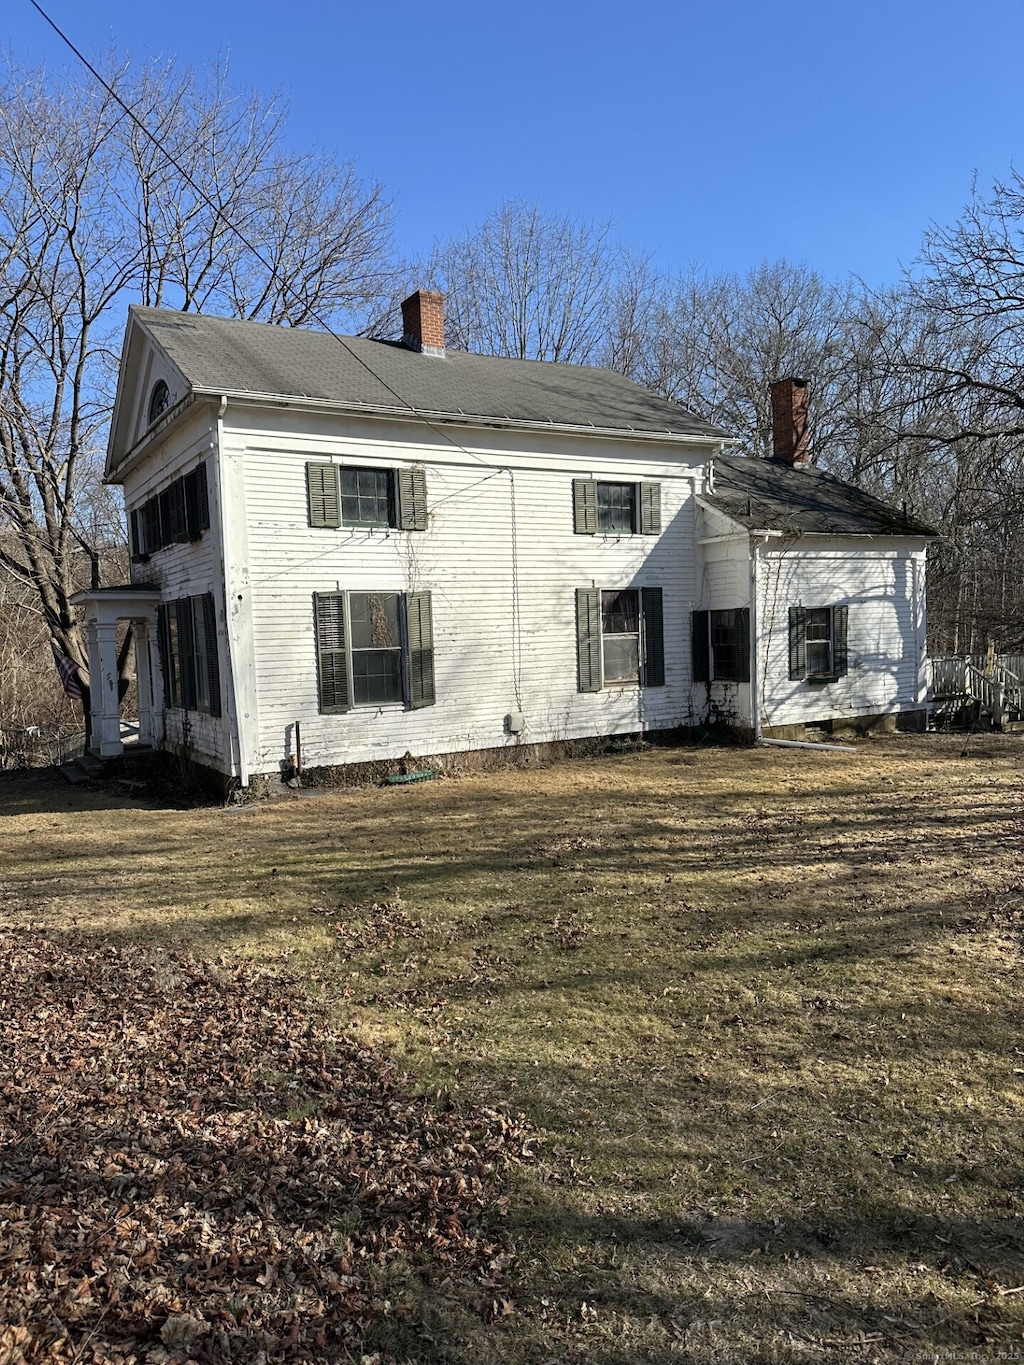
(771, 495)
(223, 355)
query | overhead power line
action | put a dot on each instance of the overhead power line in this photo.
(233, 227)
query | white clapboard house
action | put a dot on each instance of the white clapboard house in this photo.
(350, 552)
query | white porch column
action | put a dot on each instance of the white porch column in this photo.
(148, 725)
(101, 638)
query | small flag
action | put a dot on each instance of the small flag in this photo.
(68, 671)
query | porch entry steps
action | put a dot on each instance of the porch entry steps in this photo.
(88, 767)
(989, 688)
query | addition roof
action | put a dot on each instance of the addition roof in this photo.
(771, 495)
(226, 356)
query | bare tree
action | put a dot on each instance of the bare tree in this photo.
(718, 342)
(528, 284)
(94, 215)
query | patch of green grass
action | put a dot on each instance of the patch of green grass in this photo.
(764, 1005)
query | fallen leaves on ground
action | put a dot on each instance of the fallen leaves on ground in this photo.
(195, 1166)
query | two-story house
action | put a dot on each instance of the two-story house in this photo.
(360, 552)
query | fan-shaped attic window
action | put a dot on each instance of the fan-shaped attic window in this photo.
(159, 400)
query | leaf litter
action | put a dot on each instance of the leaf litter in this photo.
(197, 1167)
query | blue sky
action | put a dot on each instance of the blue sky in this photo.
(723, 135)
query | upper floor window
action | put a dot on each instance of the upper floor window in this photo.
(159, 401)
(180, 513)
(616, 509)
(346, 495)
(367, 497)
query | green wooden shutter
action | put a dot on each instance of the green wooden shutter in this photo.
(412, 500)
(700, 639)
(743, 645)
(197, 502)
(654, 638)
(163, 639)
(588, 639)
(840, 659)
(173, 527)
(584, 508)
(650, 509)
(420, 637)
(797, 642)
(212, 656)
(332, 657)
(135, 530)
(186, 652)
(151, 537)
(324, 497)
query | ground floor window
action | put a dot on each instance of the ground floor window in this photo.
(620, 638)
(373, 649)
(187, 638)
(721, 645)
(818, 643)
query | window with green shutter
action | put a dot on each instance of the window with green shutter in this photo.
(602, 507)
(187, 640)
(374, 649)
(176, 515)
(350, 495)
(721, 645)
(620, 638)
(818, 650)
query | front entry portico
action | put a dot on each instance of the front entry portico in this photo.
(104, 607)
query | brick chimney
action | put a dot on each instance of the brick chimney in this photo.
(423, 322)
(789, 421)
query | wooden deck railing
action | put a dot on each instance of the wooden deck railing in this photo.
(997, 686)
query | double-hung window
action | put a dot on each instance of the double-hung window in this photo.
(373, 649)
(620, 635)
(173, 517)
(721, 645)
(818, 643)
(620, 638)
(354, 496)
(367, 497)
(187, 637)
(616, 509)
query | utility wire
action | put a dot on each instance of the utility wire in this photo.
(267, 265)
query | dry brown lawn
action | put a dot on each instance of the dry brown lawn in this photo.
(764, 1005)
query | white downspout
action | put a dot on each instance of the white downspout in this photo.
(235, 730)
(755, 652)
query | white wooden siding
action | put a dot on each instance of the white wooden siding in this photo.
(484, 668)
(882, 585)
(187, 570)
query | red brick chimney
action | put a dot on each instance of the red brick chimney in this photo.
(789, 421)
(423, 322)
